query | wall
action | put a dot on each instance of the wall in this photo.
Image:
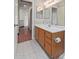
(61, 15)
(30, 18)
(16, 12)
(33, 18)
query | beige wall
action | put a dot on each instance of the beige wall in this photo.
(61, 15)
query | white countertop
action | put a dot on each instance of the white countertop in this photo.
(52, 28)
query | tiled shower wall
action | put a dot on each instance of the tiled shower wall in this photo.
(23, 16)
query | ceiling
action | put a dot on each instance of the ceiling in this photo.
(22, 3)
(28, 0)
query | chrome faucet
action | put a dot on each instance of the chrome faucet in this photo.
(49, 25)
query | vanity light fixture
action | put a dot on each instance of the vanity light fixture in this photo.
(52, 3)
(39, 8)
(24, 5)
(48, 1)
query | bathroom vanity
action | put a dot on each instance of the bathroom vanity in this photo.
(51, 39)
(48, 32)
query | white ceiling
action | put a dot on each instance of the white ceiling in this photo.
(39, 2)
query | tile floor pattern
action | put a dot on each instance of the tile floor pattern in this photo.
(30, 50)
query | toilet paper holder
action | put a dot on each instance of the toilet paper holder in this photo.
(57, 39)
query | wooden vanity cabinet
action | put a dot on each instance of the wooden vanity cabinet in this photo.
(41, 37)
(48, 43)
(57, 48)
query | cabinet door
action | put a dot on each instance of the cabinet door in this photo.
(41, 37)
(48, 42)
(48, 37)
(57, 48)
(48, 47)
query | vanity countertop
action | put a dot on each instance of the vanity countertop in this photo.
(51, 28)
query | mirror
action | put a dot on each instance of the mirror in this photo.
(54, 16)
(47, 13)
(47, 16)
(39, 15)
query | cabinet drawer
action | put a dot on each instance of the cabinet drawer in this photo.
(48, 48)
(48, 34)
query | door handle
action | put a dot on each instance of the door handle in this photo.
(16, 25)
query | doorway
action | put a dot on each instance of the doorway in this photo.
(25, 22)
